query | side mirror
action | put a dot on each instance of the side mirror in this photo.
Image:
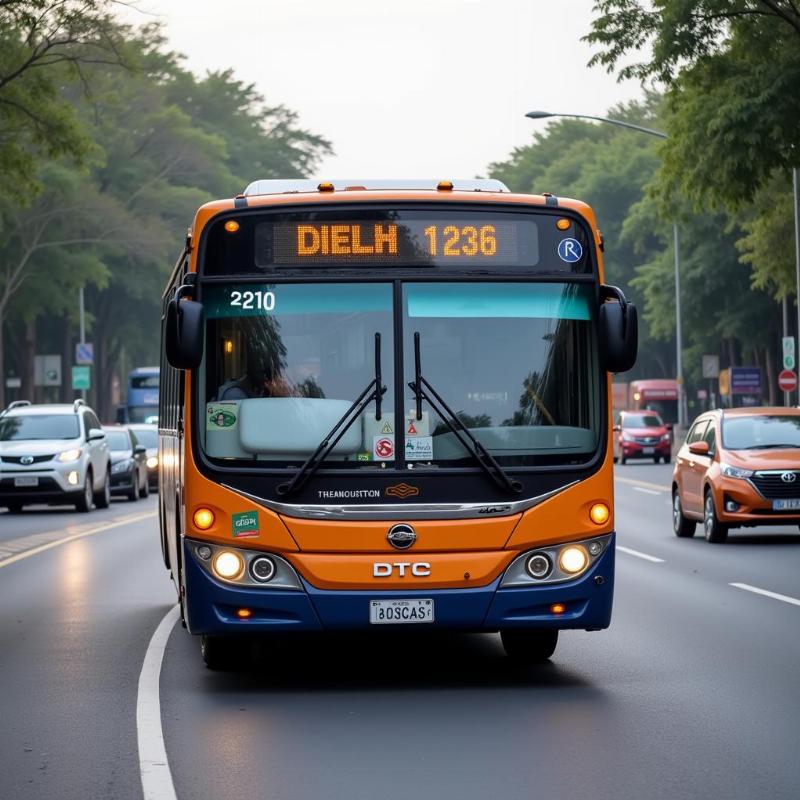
(617, 429)
(618, 326)
(95, 434)
(183, 332)
(699, 448)
(670, 426)
(140, 450)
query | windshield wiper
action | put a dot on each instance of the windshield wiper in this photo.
(424, 391)
(771, 447)
(374, 391)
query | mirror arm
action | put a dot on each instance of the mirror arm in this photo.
(609, 292)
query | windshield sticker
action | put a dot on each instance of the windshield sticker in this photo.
(221, 416)
(419, 448)
(365, 456)
(387, 428)
(570, 250)
(383, 448)
(417, 427)
(245, 525)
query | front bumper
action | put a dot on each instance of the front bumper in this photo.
(636, 450)
(53, 483)
(211, 605)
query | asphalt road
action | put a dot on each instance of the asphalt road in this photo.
(694, 692)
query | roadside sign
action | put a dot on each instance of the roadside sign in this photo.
(787, 380)
(81, 377)
(711, 366)
(745, 380)
(724, 382)
(84, 353)
(788, 353)
(47, 370)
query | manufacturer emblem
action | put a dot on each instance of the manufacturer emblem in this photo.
(789, 477)
(402, 490)
(401, 536)
(26, 460)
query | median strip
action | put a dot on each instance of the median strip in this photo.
(765, 593)
(31, 545)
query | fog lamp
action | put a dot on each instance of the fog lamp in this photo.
(599, 513)
(262, 568)
(595, 548)
(72, 478)
(731, 505)
(203, 518)
(204, 552)
(538, 566)
(228, 565)
(573, 559)
(557, 608)
(244, 613)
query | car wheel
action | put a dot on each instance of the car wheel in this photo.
(667, 459)
(144, 491)
(133, 492)
(656, 459)
(716, 532)
(221, 652)
(622, 459)
(682, 527)
(530, 647)
(14, 507)
(103, 498)
(84, 504)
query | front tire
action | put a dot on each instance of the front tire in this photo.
(716, 531)
(144, 491)
(527, 646)
(84, 504)
(14, 507)
(682, 527)
(622, 459)
(220, 653)
(103, 498)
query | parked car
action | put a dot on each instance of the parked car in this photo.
(738, 468)
(53, 454)
(148, 436)
(642, 434)
(128, 463)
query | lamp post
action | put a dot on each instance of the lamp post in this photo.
(682, 415)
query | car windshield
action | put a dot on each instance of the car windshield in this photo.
(23, 427)
(761, 432)
(118, 440)
(147, 436)
(641, 421)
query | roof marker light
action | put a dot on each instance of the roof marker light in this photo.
(231, 226)
(444, 186)
(325, 186)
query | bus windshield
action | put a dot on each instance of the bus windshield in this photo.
(515, 361)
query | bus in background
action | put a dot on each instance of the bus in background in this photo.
(141, 405)
(655, 394)
(387, 403)
(619, 399)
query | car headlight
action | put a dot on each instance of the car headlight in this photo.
(152, 462)
(729, 471)
(120, 466)
(70, 455)
(665, 437)
(627, 437)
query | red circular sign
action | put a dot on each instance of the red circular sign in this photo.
(787, 380)
(384, 448)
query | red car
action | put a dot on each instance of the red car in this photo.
(642, 434)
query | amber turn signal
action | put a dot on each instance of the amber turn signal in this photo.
(563, 224)
(599, 513)
(203, 518)
(244, 613)
(231, 226)
(557, 608)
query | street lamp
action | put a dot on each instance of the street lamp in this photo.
(678, 332)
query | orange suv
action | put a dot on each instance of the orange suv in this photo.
(738, 467)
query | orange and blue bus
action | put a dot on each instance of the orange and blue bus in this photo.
(387, 403)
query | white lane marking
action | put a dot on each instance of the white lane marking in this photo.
(153, 764)
(89, 532)
(639, 554)
(645, 491)
(633, 482)
(774, 595)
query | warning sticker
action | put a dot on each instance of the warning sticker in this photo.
(221, 416)
(419, 448)
(387, 428)
(383, 448)
(245, 525)
(417, 427)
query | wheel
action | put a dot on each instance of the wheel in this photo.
(622, 459)
(683, 527)
(220, 652)
(103, 498)
(529, 646)
(656, 459)
(716, 532)
(615, 459)
(133, 492)
(144, 490)
(667, 459)
(14, 507)
(84, 503)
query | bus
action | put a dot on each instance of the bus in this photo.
(141, 405)
(655, 394)
(385, 405)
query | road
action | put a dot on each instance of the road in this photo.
(692, 693)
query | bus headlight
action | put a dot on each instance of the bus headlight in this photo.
(228, 564)
(573, 559)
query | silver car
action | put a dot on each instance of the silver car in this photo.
(53, 454)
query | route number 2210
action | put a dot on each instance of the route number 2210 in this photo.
(264, 301)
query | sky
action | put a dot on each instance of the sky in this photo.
(416, 88)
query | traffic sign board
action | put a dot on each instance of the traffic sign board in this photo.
(84, 353)
(81, 377)
(787, 380)
(711, 366)
(788, 352)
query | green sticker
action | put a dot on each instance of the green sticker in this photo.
(245, 524)
(221, 416)
(363, 456)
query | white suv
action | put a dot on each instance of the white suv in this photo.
(53, 454)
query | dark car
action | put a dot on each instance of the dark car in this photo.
(148, 436)
(128, 464)
(642, 434)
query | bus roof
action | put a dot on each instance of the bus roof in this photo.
(294, 185)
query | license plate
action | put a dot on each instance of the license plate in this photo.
(400, 612)
(27, 481)
(785, 505)
(648, 451)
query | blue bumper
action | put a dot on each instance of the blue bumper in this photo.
(211, 606)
